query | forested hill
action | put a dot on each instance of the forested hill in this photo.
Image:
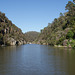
(9, 33)
(62, 30)
(31, 36)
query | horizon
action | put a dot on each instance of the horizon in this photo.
(32, 15)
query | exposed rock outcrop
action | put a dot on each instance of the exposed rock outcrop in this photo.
(20, 42)
(10, 42)
(10, 34)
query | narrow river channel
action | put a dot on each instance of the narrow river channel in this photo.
(33, 59)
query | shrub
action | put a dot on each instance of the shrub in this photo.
(69, 35)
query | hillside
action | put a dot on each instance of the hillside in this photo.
(10, 34)
(31, 36)
(62, 30)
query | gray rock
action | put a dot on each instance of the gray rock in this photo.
(20, 42)
(24, 42)
(10, 42)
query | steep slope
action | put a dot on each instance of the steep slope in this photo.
(9, 33)
(62, 30)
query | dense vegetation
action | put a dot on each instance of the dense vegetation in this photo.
(62, 30)
(31, 36)
(9, 33)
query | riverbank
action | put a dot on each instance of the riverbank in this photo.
(62, 46)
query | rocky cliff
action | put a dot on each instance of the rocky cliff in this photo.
(61, 32)
(10, 34)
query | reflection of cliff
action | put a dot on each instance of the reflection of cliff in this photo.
(58, 60)
(64, 58)
(9, 33)
(39, 59)
(7, 54)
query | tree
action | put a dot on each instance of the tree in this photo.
(61, 14)
(71, 8)
(74, 1)
(70, 35)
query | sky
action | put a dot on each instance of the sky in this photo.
(32, 15)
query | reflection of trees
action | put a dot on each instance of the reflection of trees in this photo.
(7, 58)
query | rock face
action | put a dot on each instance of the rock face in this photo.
(24, 42)
(10, 42)
(10, 34)
(20, 42)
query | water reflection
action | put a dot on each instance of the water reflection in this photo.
(36, 60)
(61, 60)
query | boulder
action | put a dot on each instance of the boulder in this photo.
(10, 42)
(20, 42)
(24, 42)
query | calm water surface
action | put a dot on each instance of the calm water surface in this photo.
(32, 59)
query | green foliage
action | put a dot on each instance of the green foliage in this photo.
(61, 28)
(74, 1)
(31, 36)
(7, 28)
(71, 8)
(72, 43)
(61, 14)
(1, 39)
(69, 35)
(59, 42)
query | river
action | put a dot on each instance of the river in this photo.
(33, 59)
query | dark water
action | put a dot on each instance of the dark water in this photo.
(36, 60)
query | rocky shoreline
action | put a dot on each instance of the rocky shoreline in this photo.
(13, 42)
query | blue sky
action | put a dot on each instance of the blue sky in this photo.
(32, 15)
